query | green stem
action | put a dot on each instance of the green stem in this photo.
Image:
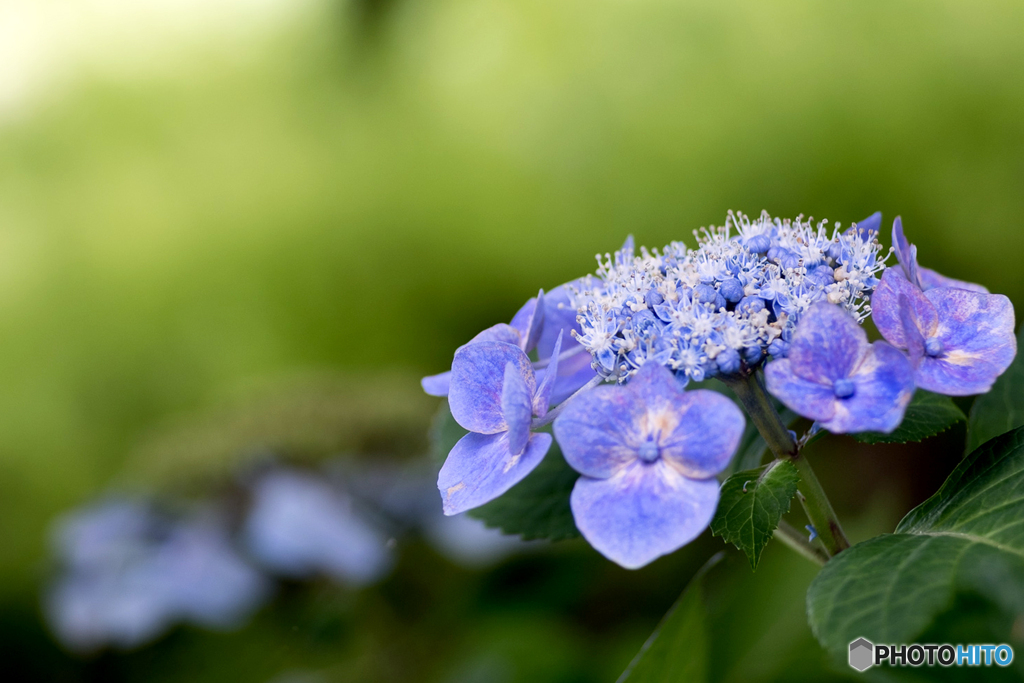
(797, 541)
(751, 393)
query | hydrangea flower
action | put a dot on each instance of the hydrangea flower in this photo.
(494, 394)
(730, 302)
(959, 341)
(648, 453)
(128, 574)
(299, 526)
(834, 376)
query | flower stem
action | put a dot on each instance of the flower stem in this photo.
(751, 393)
(797, 541)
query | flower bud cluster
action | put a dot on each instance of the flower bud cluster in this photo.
(730, 302)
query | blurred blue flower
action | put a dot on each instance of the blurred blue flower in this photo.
(959, 340)
(129, 574)
(834, 376)
(648, 453)
(923, 278)
(494, 394)
(300, 526)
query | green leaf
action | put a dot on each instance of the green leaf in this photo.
(752, 503)
(678, 648)
(927, 415)
(538, 506)
(966, 539)
(1002, 408)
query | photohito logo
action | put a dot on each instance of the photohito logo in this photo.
(864, 654)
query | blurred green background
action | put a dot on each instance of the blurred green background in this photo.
(197, 199)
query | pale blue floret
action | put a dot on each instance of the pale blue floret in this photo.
(959, 338)
(648, 453)
(834, 376)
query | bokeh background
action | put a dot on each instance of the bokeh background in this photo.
(235, 225)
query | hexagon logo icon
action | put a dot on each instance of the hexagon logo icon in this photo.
(862, 654)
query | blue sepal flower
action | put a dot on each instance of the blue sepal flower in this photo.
(494, 394)
(959, 340)
(834, 376)
(648, 453)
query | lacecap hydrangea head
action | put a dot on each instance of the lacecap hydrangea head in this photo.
(727, 304)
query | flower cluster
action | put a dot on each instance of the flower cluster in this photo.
(789, 293)
(737, 297)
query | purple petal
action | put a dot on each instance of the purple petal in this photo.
(884, 385)
(515, 406)
(528, 322)
(810, 399)
(871, 224)
(827, 345)
(643, 512)
(573, 373)
(885, 308)
(913, 340)
(599, 430)
(559, 316)
(906, 253)
(480, 468)
(976, 331)
(498, 333)
(478, 374)
(542, 399)
(437, 385)
(707, 432)
(932, 280)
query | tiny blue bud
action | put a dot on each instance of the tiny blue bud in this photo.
(749, 305)
(933, 346)
(728, 361)
(778, 349)
(813, 532)
(732, 289)
(705, 294)
(752, 354)
(719, 301)
(759, 243)
(654, 298)
(844, 388)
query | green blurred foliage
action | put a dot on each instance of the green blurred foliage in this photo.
(383, 178)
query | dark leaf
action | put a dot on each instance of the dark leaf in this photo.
(1001, 409)
(927, 415)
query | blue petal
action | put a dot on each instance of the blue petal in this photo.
(480, 468)
(976, 331)
(559, 316)
(478, 373)
(573, 373)
(884, 385)
(885, 308)
(528, 322)
(542, 398)
(498, 333)
(827, 345)
(906, 253)
(599, 430)
(932, 280)
(437, 385)
(871, 224)
(643, 512)
(515, 406)
(810, 399)
(707, 431)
